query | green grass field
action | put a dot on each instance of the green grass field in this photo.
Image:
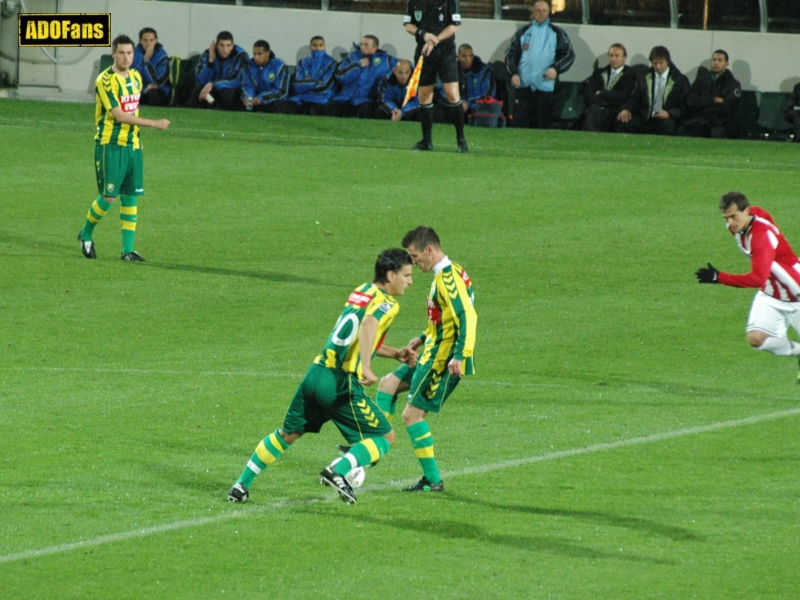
(620, 438)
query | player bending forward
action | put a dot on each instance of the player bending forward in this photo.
(332, 389)
(775, 272)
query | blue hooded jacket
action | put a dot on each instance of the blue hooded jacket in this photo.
(477, 82)
(360, 84)
(155, 70)
(224, 73)
(268, 83)
(313, 79)
(392, 95)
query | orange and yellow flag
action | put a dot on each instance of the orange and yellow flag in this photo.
(413, 83)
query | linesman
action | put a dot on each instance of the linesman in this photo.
(434, 24)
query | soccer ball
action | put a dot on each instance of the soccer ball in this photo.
(356, 477)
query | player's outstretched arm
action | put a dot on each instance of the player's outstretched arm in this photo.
(122, 117)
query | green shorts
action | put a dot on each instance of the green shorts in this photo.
(119, 170)
(430, 388)
(333, 395)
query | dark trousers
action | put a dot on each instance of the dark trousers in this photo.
(155, 97)
(230, 99)
(600, 118)
(796, 126)
(283, 107)
(702, 127)
(651, 126)
(345, 109)
(312, 108)
(533, 109)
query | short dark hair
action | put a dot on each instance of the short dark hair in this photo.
(737, 198)
(659, 52)
(464, 47)
(393, 260)
(262, 44)
(316, 37)
(147, 30)
(374, 39)
(621, 47)
(224, 35)
(421, 238)
(725, 54)
(121, 40)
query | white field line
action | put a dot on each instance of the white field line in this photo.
(154, 372)
(197, 522)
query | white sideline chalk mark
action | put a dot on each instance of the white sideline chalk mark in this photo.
(153, 371)
(506, 464)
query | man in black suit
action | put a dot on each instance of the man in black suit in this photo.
(714, 101)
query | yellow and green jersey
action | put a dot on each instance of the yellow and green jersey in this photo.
(111, 90)
(452, 320)
(342, 350)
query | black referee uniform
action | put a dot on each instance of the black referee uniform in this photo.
(433, 16)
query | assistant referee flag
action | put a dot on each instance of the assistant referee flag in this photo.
(413, 83)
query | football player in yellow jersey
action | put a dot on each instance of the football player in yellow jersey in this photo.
(449, 344)
(332, 389)
(118, 159)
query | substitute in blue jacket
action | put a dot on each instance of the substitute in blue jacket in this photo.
(152, 62)
(476, 78)
(537, 55)
(314, 83)
(265, 82)
(393, 92)
(219, 75)
(360, 76)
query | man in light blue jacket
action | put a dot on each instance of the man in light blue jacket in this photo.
(537, 55)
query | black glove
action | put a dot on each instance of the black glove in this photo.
(707, 275)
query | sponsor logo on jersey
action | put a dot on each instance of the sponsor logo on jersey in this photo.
(129, 104)
(271, 76)
(418, 15)
(358, 299)
(434, 313)
(376, 61)
(466, 278)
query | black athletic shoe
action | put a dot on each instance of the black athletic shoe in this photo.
(238, 493)
(463, 147)
(132, 257)
(338, 483)
(423, 485)
(87, 247)
(423, 145)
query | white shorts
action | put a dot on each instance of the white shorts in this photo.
(773, 316)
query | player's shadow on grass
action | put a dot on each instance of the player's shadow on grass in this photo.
(456, 530)
(265, 275)
(677, 534)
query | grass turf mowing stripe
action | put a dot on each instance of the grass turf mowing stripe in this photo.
(656, 437)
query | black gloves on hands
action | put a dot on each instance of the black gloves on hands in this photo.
(707, 274)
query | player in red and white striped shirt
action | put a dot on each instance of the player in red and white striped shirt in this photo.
(775, 272)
